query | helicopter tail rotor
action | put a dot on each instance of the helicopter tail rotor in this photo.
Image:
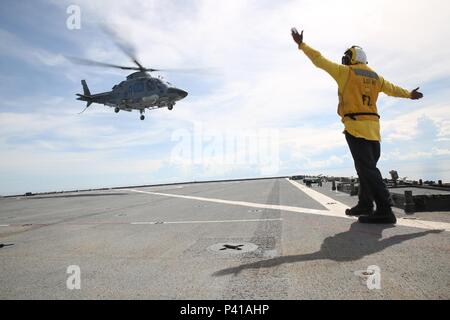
(86, 96)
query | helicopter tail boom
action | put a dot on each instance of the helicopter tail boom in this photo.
(101, 98)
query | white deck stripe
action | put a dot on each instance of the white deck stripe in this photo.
(339, 209)
(143, 223)
(4, 225)
(331, 204)
(242, 203)
(423, 224)
(335, 208)
(211, 221)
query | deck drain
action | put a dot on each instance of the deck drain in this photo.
(364, 273)
(255, 211)
(233, 248)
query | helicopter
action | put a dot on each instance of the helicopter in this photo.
(140, 91)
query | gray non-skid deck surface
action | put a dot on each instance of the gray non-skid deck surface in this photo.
(257, 191)
(302, 256)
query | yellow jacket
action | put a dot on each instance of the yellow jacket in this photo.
(365, 127)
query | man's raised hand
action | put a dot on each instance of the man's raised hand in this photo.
(298, 38)
(416, 95)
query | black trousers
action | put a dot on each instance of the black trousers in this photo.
(371, 185)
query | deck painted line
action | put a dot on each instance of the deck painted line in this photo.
(331, 204)
(200, 221)
(423, 224)
(339, 209)
(144, 223)
(4, 225)
(241, 203)
(335, 208)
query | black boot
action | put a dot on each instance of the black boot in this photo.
(358, 211)
(381, 216)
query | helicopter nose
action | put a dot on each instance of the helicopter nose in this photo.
(180, 93)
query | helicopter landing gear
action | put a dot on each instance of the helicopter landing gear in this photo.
(170, 106)
(116, 110)
(142, 115)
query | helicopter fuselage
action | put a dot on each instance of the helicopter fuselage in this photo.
(139, 91)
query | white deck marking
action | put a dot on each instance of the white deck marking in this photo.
(144, 223)
(4, 225)
(339, 209)
(331, 204)
(335, 208)
(423, 224)
(241, 203)
(211, 221)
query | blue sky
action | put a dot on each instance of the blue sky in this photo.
(265, 110)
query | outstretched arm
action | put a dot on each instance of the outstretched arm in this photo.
(333, 69)
(395, 91)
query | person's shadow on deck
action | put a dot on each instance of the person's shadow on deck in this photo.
(351, 245)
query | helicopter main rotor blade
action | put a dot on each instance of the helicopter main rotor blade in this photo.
(124, 46)
(88, 62)
(191, 70)
(130, 51)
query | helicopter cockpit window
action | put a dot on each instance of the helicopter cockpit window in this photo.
(138, 86)
(150, 85)
(160, 85)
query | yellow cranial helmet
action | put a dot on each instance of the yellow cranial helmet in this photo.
(354, 55)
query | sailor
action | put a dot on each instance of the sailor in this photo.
(358, 89)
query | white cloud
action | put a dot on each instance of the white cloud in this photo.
(12, 46)
(440, 152)
(406, 125)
